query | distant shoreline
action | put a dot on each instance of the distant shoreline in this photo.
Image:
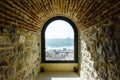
(59, 42)
(60, 48)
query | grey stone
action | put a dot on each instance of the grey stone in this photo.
(94, 35)
(11, 71)
(20, 57)
(14, 38)
(9, 30)
(109, 31)
(34, 51)
(20, 48)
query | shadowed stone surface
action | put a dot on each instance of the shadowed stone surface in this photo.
(100, 52)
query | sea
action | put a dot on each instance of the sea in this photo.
(60, 48)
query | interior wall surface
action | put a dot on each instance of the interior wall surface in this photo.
(100, 50)
(19, 54)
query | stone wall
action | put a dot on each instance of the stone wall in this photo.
(100, 51)
(19, 54)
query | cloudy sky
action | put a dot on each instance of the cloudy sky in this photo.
(59, 29)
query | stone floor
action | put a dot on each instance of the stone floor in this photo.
(58, 76)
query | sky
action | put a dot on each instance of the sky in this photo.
(59, 29)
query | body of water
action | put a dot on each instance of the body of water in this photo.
(60, 48)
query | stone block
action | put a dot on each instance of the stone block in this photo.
(19, 66)
(6, 48)
(9, 30)
(4, 39)
(94, 36)
(3, 63)
(13, 59)
(2, 55)
(26, 54)
(109, 31)
(18, 77)
(34, 51)
(11, 72)
(28, 44)
(22, 39)
(3, 69)
(16, 50)
(14, 38)
(20, 48)
(20, 57)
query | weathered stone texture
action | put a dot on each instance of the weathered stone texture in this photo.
(99, 21)
(100, 51)
(19, 54)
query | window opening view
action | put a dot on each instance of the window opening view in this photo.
(59, 41)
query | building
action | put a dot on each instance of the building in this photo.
(98, 26)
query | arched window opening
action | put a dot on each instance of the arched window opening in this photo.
(59, 41)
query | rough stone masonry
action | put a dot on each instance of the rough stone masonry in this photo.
(100, 51)
(98, 23)
(19, 54)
